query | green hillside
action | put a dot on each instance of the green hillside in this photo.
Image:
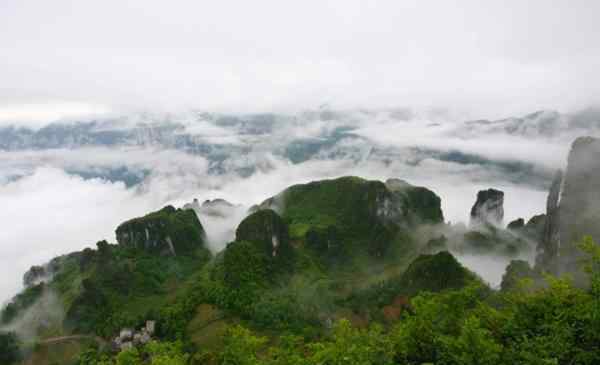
(330, 272)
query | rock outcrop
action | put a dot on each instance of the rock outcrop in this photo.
(128, 338)
(488, 209)
(580, 201)
(572, 210)
(167, 231)
(547, 250)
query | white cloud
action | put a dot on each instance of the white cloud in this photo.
(50, 213)
(53, 213)
(546, 152)
(39, 114)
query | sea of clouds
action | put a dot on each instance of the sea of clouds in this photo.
(48, 210)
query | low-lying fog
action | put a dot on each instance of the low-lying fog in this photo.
(49, 207)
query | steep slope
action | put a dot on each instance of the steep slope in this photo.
(573, 210)
(580, 200)
(547, 250)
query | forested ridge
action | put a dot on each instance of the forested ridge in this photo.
(332, 272)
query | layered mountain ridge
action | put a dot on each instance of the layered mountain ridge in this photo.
(304, 258)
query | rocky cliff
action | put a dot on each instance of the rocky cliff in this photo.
(167, 231)
(579, 200)
(488, 208)
(572, 210)
(547, 249)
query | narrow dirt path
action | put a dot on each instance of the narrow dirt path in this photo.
(54, 340)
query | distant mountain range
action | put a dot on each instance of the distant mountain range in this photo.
(239, 143)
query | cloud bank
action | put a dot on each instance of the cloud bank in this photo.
(50, 212)
(65, 198)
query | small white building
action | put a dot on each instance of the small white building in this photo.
(150, 327)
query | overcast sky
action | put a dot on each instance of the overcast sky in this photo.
(492, 58)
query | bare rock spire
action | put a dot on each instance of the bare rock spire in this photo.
(488, 209)
(547, 250)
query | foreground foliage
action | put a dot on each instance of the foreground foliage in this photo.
(557, 324)
(9, 348)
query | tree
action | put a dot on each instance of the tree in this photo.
(474, 346)
(289, 351)
(166, 353)
(9, 348)
(240, 347)
(129, 357)
(353, 346)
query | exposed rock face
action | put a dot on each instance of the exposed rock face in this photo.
(167, 231)
(580, 201)
(488, 209)
(547, 249)
(128, 338)
(573, 210)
